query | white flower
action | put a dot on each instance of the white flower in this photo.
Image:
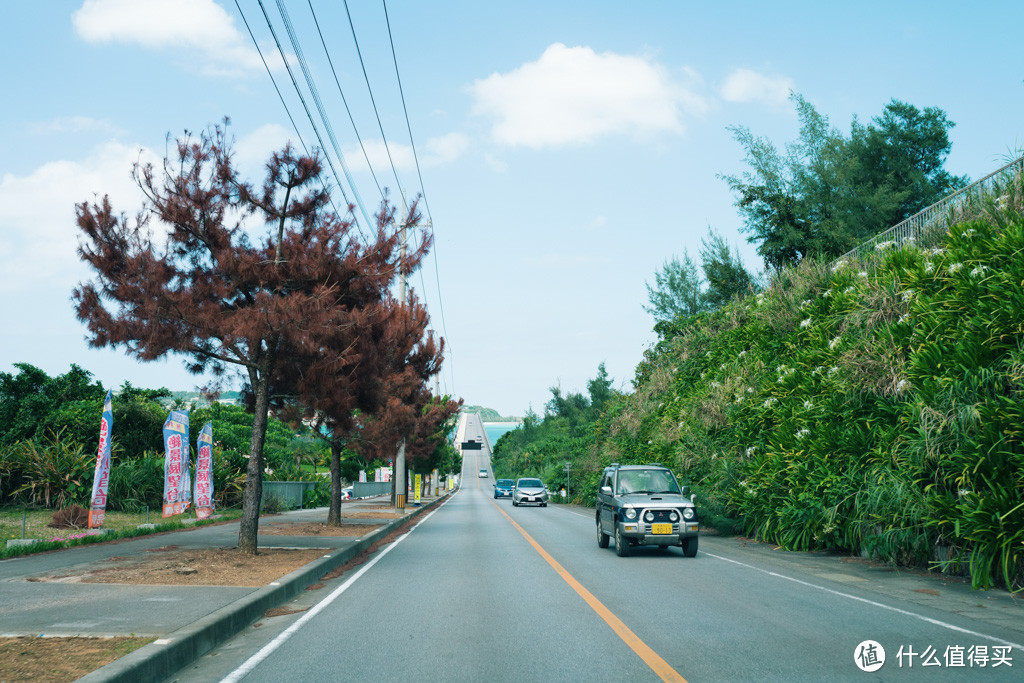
(839, 264)
(816, 371)
(828, 293)
(863, 273)
(649, 442)
(722, 366)
(832, 370)
(978, 271)
(953, 267)
(937, 251)
(806, 322)
(834, 343)
(805, 302)
(751, 451)
(802, 433)
(968, 232)
(808, 405)
(849, 290)
(929, 266)
(902, 385)
(742, 353)
(702, 375)
(715, 385)
(679, 426)
(908, 295)
(904, 317)
(768, 403)
(750, 390)
(884, 245)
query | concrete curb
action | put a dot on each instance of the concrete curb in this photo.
(165, 656)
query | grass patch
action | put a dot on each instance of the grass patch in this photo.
(116, 525)
(60, 659)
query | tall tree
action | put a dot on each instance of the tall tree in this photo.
(676, 291)
(221, 292)
(723, 270)
(826, 193)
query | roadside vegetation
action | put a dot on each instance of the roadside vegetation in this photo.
(872, 406)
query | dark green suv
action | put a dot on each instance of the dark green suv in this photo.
(644, 505)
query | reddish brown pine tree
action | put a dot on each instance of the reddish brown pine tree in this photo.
(392, 353)
(222, 292)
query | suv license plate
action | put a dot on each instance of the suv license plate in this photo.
(661, 528)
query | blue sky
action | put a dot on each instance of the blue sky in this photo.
(568, 148)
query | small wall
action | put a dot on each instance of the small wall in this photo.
(368, 489)
(288, 492)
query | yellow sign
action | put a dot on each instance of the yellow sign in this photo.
(418, 486)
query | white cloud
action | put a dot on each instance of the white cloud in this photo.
(76, 124)
(435, 152)
(746, 85)
(253, 150)
(201, 26)
(573, 95)
(38, 234)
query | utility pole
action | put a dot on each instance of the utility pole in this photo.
(401, 487)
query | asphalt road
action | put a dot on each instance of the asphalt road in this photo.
(482, 591)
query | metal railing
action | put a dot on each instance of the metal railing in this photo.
(926, 227)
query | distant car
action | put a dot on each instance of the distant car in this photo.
(529, 490)
(503, 487)
(644, 505)
(346, 493)
(483, 473)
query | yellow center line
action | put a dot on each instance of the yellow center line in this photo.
(650, 657)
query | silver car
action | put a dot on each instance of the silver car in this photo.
(529, 490)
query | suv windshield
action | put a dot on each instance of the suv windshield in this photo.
(647, 481)
(504, 482)
(531, 483)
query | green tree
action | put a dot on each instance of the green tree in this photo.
(723, 270)
(676, 290)
(826, 193)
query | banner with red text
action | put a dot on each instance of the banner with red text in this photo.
(175, 459)
(101, 479)
(203, 496)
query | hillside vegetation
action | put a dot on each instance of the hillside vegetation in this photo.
(872, 407)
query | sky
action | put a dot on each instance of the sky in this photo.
(567, 149)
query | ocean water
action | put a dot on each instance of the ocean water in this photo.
(496, 429)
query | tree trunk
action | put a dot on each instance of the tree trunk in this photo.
(334, 515)
(248, 528)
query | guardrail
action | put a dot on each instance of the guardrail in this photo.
(927, 226)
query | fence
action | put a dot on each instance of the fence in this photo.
(927, 226)
(288, 492)
(368, 489)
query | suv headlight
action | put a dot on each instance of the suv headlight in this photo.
(630, 513)
(673, 516)
(688, 514)
(649, 517)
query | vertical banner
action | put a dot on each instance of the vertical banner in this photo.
(203, 497)
(418, 487)
(362, 476)
(101, 478)
(175, 455)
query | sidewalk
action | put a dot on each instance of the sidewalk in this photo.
(186, 620)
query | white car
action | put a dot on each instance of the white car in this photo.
(483, 473)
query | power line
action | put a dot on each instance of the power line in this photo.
(287, 111)
(319, 105)
(366, 77)
(344, 100)
(423, 189)
(309, 115)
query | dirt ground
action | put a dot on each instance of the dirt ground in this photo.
(58, 660)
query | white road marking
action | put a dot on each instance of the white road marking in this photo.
(277, 642)
(873, 603)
